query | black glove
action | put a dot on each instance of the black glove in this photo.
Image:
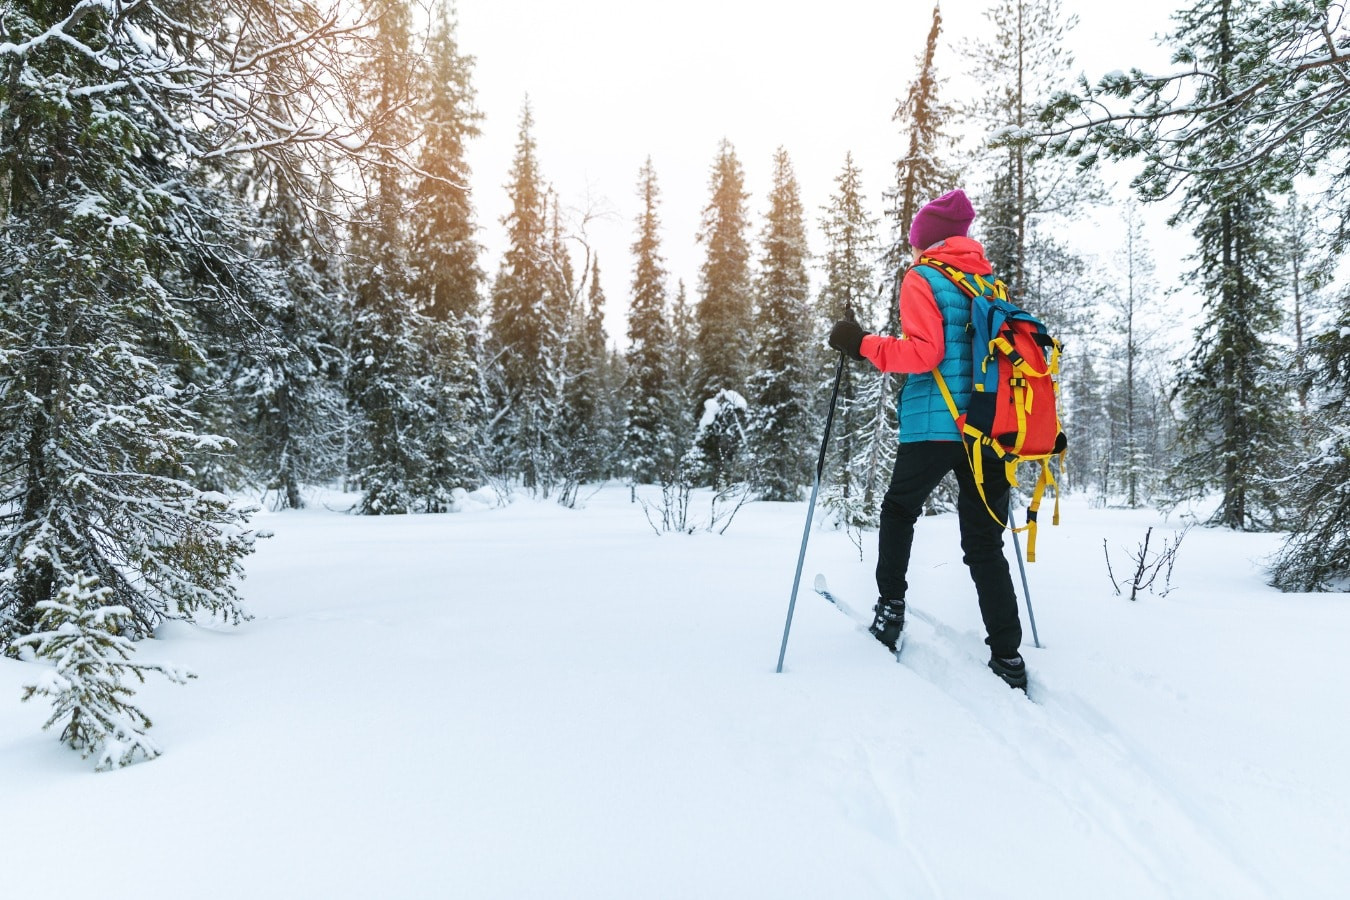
(846, 337)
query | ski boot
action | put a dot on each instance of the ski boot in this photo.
(1011, 669)
(889, 622)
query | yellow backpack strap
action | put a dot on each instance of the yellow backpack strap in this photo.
(1034, 508)
(1059, 465)
(946, 395)
(956, 275)
(975, 453)
(974, 448)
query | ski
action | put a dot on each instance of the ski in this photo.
(861, 618)
(864, 621)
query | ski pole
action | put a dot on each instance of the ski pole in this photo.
(811, 508)
(1026, 590)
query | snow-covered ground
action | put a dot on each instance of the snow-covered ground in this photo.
(535, 702)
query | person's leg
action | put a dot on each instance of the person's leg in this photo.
(982, 545)
(919, 466)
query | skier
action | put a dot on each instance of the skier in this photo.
(934, 315)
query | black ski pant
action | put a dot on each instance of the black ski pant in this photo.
(919, 466)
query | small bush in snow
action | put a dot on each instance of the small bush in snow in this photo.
(1148, 566)
(85, 640)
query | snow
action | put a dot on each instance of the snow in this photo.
(713, 406)
(530, 701)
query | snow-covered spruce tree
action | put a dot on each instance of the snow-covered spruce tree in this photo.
(1284, 96)
(446, 276)
(851, 253)
(1258, 96)
(586, 419)
(683, 374)
(1025, 59)
(922, 173)
(526, 338)
(1316, 555)
(558, 460)
(410, 376)
(85, 638)
(648, 450)
(114, 121)
(1134, 402)
(1231, 390)
(448, 379)
(1308, 267)
(236, 286)
(725, 311)
(289, 410)
(1085, 413)
(721, 446)
(780, 390)
(1027, 200)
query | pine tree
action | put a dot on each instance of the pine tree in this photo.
(96, 424)
(560, 461)
(289, 409)
(682, 372)
(117, 126)
(851, 252)
(1086, 414)
(781, 418)
(84, 637)
(409, 378)
(1253, 102)
(1027, 60)
(525, 337)
(1231, 390)
(240, 286)
(721, 453)
(446, 276)
(921, 174)
(1284, 99)
(1307, 270)
(444, 250)
(648, 445)
(1316, 555)
(726, 307)
(448, 431)
(1132, 309)
(723, 318)
(588, 427)
(1029, 199)
(1072, 290)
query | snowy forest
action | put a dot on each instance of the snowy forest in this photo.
(239, 258)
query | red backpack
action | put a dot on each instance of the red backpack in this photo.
(1013, 415)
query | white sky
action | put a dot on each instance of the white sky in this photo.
(613, 81)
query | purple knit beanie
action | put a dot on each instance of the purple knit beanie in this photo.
(947, 216)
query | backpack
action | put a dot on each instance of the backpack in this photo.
(1013, 415)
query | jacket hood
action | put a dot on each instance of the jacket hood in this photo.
(962, 253)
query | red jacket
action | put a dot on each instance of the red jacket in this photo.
(920, 346)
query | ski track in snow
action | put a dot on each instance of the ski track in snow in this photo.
(1042, 743)
(876, 773)
(1068, 745)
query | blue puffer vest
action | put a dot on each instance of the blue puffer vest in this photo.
(921, 410)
